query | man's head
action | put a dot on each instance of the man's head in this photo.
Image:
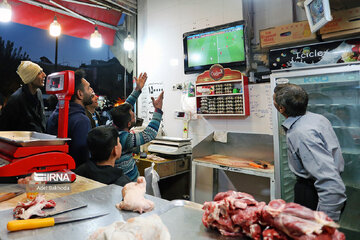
(31, 73)
(123, 116)
(94, 102)
(103, 143)
(290, 100)
(83, 92)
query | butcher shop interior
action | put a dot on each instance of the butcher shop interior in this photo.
(206, 119)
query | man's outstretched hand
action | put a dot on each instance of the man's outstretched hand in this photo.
(159, 101)
(140, 81)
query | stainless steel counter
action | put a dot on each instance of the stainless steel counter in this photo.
(183, 220)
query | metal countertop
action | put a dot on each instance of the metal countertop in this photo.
(181, 218)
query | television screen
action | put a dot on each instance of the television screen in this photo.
(224, 44)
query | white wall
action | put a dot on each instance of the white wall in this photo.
(161, 24)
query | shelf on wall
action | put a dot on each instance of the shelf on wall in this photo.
(219, 95)
(218, 82)
(209, 83)
(221, 114)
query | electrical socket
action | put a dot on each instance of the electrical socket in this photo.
(177, 86)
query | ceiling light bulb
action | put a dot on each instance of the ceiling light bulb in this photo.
(95, 39)
(129, 43)
(5, 12)
(55, 28)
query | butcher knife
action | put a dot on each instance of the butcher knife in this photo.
(17, 225)
(52, 212)
(11, 195)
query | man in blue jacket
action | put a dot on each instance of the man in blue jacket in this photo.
(79, 123)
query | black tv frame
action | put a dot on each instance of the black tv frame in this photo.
(197, 69)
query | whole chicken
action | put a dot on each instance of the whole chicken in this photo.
(139, 228)
(133, 197)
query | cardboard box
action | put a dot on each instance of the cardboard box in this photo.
(286, 34)
(342, 21)
(164, 168)
(341, 34)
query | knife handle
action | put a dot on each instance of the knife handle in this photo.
(17, 225)
(255, 165)
(7, 196)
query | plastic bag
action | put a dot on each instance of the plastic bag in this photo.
(152, 181)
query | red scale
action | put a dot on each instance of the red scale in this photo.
(22, 153)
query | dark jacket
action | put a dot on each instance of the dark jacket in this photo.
(103, 174)
(78, 128)
(92, 121)
(23, 112)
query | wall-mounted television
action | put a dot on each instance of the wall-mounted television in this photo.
(223, 44)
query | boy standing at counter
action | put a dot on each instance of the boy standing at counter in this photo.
(105, 148)
(24, 111)
(314, 153)
(124, 119)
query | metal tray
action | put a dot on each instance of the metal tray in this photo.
(184, 221)
(30, 139)
(182, 218)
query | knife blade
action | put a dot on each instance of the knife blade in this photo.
(49, 214)
(11, 195)
(16, 225)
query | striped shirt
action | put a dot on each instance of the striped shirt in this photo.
(130, 141)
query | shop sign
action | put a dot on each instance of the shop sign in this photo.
(335, 52)
(217, 72)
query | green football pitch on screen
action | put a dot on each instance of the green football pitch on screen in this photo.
(216, 47)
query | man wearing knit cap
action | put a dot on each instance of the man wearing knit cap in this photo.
(24, 110)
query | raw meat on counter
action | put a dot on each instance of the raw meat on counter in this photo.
(273, 234)
(154, 157)
(33, 208)
(299, 222)
(237, 214)
(141, 228)
(26, 180)
(234, 214)
(133, 197)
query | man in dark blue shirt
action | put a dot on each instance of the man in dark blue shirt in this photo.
(79, 123)
(105, 148)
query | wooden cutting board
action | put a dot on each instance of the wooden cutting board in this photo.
(81, 184)
(235, 162)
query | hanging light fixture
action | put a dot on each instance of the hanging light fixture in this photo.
(5, 12)
(129, 43)
(55, 28)
(95, 39)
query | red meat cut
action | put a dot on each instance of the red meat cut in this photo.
(238, 214)
(299, 222)
(234, 214)
(33, 208)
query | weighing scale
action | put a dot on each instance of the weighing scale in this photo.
(170, 146)
(22, 153)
